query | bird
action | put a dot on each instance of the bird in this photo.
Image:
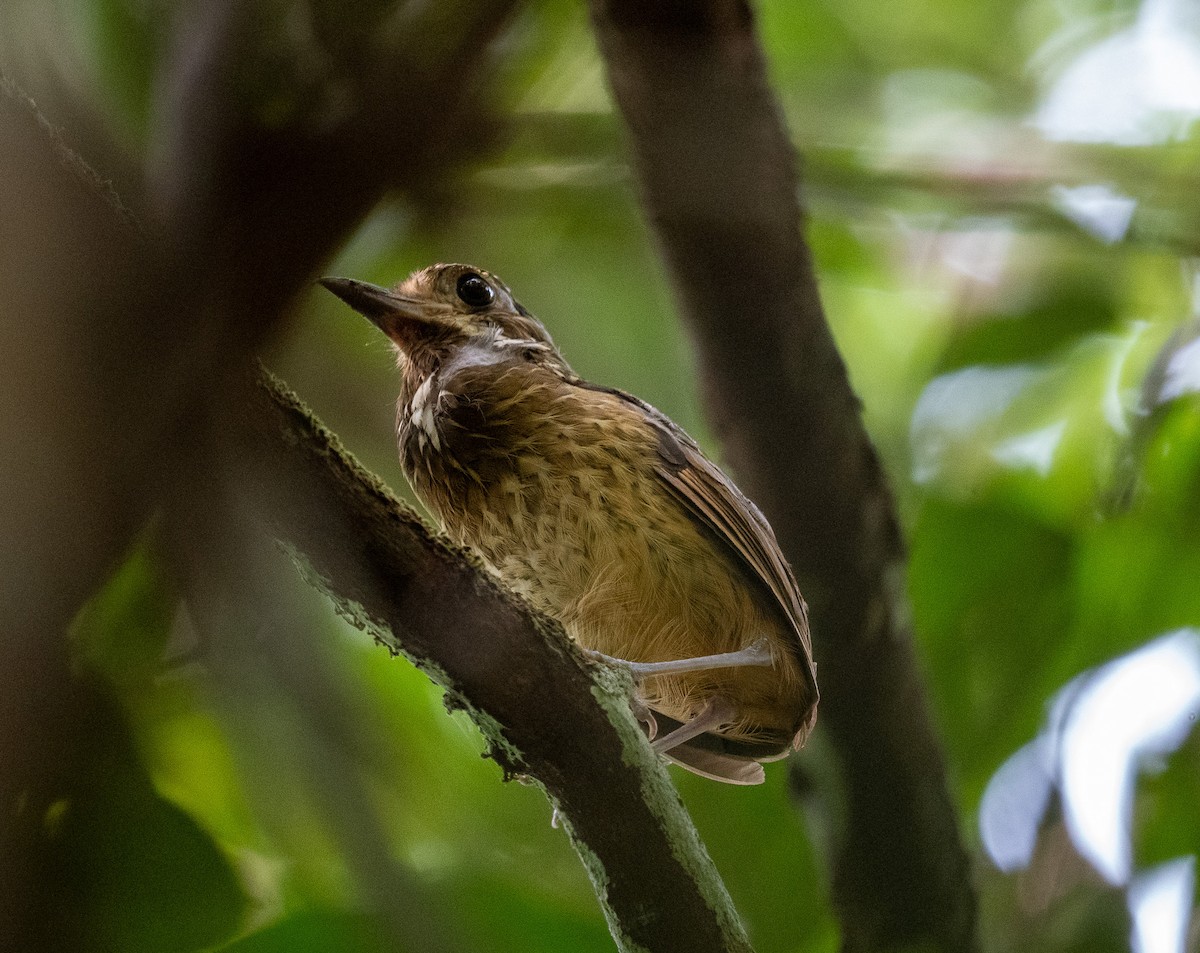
(604, 514)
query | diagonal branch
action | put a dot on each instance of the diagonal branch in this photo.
(546, 712)
(717, 181)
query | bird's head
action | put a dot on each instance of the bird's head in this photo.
(438, 312)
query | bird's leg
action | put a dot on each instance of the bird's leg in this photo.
(759, 653)
(716, 712)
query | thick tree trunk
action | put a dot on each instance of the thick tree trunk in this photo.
(718, 185)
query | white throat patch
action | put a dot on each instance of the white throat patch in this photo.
(420, 415)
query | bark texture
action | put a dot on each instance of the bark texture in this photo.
(547, 712)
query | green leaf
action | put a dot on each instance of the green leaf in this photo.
(122, 631)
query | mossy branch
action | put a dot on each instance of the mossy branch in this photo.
(547, 712)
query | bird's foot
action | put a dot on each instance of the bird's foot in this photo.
(717, 711)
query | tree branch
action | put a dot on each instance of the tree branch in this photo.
(546, 712)
(717, 182)
(54, 216)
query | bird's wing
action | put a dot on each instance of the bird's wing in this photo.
(719, 507)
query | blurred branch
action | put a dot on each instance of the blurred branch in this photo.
(119, 347)
(546, 712)
(115, 352)
(259, 180)
(53, 550)
(277, 695)
(717, 181)
(556, 158)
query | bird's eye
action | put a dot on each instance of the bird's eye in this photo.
(473, 290)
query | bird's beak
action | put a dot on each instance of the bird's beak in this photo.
(393, 314)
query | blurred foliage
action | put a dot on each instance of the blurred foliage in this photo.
(1000, 322)
(168, 884)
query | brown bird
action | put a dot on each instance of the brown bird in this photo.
(605, 514)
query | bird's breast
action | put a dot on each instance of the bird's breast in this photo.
(541, 477)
